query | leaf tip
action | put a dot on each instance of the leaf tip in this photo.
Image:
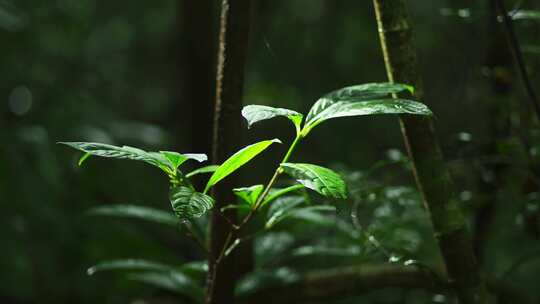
(65, 143)
(410, 88)
(245, 114)
(200, 157)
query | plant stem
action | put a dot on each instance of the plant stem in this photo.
(225, 246)
(259, 201)
(272, 181)
(291, 149)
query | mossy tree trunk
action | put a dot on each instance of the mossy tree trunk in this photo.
(232, 50)
(431, 174)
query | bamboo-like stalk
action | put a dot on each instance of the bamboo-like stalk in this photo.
(232, 50)
(430, 171)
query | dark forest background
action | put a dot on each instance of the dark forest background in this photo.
(141, 73)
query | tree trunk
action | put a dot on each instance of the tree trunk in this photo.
(498, 58)
(431, 174)
(197, 71)
(232, 50)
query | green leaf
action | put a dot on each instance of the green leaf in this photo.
(174, 281)
(176, 159)
(356, 93)
(365, 99)
(290, 207)
(256, 113)
(137, 212)
(271, 246)
(369, 107)
(128, 265)
(276, 193)
(249, 194)
(177, 279)
(524, 15)
(281, 208)
(124, 152)
(317, 178)
(168, 161)
(314, 215)
(188, 204)
(206, 169)
(237, 160)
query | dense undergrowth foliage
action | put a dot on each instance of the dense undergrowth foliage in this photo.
(272, 205)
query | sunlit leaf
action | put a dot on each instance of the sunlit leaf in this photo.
(237, 160)
(168, 161)
(200, 157)
(137, 212)
(176, 159)
(188, 204)
(524, 14)
(249, 194)
(356, 93)
(124, 152)
(256, 113)
(367, 107)
(317, 178)
(206, 169)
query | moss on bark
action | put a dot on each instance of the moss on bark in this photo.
(431, 174)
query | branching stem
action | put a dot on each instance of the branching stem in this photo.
(259, 201)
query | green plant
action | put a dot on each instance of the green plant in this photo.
(189, 204)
